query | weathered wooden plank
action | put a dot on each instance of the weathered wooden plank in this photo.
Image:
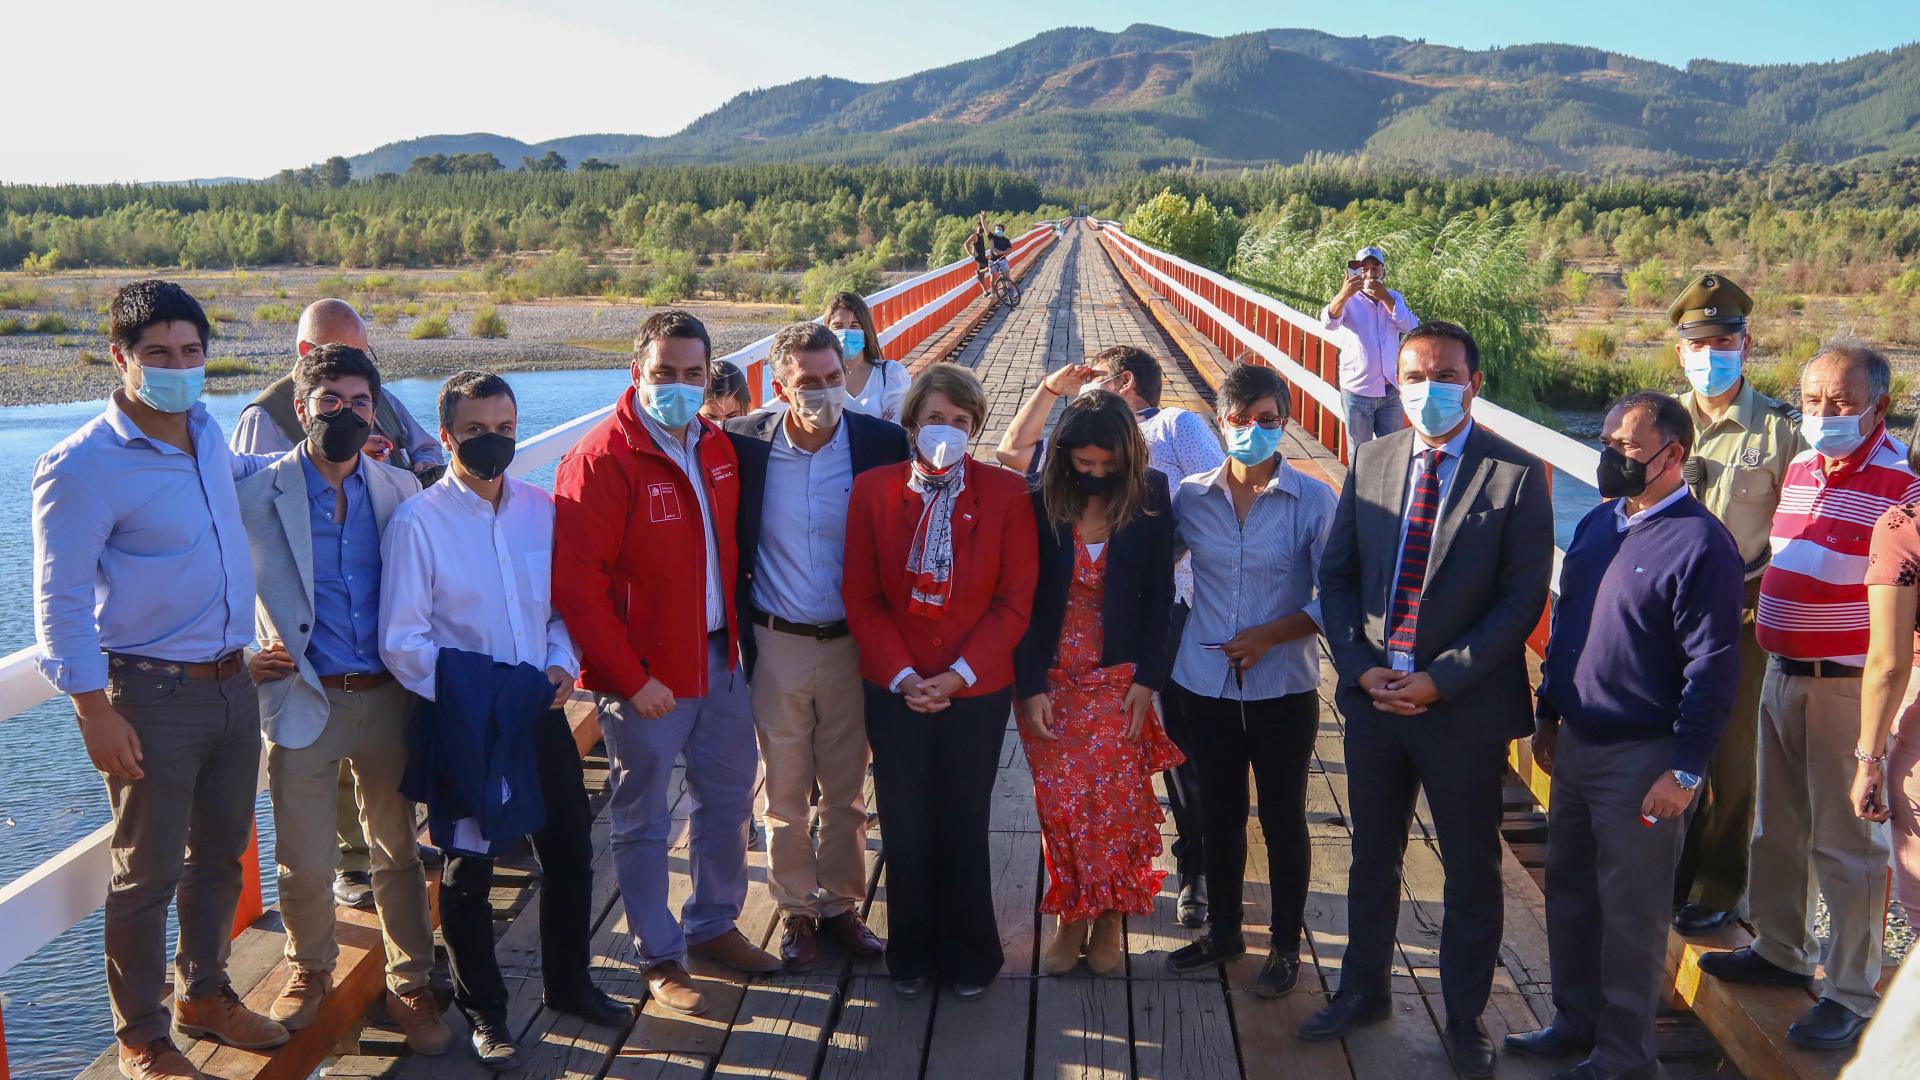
(1182, 1029)
(978, 1038)
(1081, 1028)
(878, 1035)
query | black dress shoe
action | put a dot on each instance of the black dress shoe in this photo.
(493, 1046)
(1829, 1025)
(1743, 965)
(1549, 1041)
(1470, 1049)
(910, 988)
(354, 889)
(1694, 920)
(1203, 954)
(1344, 1013)
(969, 991)
(592, 1004)
(1277, 976)
(1193, 902)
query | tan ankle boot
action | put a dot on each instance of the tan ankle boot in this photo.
(1063, 952)
(1105, 950)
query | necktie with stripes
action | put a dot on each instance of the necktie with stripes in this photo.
(1405, 614)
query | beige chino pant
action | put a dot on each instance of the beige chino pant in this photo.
(810, 714)
(1805, 835)
(367, 730)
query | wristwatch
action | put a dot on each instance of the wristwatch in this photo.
(1687, 781)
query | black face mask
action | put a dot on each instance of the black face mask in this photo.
(486, 456)
(1620, 475)
(1090, 485)
(339, 434)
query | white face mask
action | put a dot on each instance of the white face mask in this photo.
(818, 408)
(941, 445)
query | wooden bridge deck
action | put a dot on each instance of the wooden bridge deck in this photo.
(842, 1019)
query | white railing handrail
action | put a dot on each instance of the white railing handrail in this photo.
(1563, 453)
(64, 889)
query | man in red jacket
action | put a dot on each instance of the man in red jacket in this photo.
(644, 566)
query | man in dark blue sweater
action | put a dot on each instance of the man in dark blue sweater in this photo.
(1639, 677)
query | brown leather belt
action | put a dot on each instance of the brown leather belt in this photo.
(224, 668)
(817, 631)
(356, 682)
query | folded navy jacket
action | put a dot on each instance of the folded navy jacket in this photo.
(471, 752)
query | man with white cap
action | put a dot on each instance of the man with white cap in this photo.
(1376, 316)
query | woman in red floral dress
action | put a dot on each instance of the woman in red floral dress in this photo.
(1094, 654)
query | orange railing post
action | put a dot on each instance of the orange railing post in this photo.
(252, 904)
(4, 1074)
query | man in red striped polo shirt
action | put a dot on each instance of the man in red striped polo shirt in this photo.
(1813, 620)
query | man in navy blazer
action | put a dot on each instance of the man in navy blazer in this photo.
(796, 474)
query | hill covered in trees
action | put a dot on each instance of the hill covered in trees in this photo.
(1076, 103)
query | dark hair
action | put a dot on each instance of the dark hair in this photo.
(1248, 383)
(725, 379)
(1448, 332)
(324, 363)
(1670, 417)
(672, 323)
(1137, 362)
(792, 340)
(469, 384)
(862, 314)
(1101, 419)
(149, 303)
(1869, 360)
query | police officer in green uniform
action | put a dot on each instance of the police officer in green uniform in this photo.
(1742, 443)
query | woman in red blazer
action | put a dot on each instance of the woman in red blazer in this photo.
(941, 561)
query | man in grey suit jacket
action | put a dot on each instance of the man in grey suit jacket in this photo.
(314, 520)
(1435, 573)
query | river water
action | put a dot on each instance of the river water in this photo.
(55, 1005)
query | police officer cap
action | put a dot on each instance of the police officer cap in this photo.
(1710, 307)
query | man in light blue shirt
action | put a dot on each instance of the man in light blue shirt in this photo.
(796, 474)
(143, 604)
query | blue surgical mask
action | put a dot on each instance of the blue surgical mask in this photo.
(1711, 371)
(671, 405)
(1253, 445)
(853, 341)
(1435, 408)
(1832, 436)
(170, 390)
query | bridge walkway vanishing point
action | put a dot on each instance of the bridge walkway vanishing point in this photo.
(841, 1019)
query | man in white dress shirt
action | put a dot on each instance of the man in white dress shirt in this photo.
(468, 565)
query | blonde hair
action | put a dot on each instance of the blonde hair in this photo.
(958, 384)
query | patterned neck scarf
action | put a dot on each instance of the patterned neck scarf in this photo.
(930, 559)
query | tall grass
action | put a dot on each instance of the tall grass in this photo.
(1467, 269)
(276, 313)
(488, 323)
(434, 326)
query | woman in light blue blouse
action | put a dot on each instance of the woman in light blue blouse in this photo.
(1246, 673)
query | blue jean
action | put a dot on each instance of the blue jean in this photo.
(1368, 418)
(715, 736)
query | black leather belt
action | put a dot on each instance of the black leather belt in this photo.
(1816, 669)
(816, 631)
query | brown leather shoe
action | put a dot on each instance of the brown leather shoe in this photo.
(418, 1016)
(157, 1060)
(670, 985)
(221, 1016)
(799, 942)
(299, 1001)
(734, 950)
(853, 935)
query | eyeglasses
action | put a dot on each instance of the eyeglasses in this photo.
(1267, 422)
(330, 403)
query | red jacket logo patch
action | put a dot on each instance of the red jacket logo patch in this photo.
(722, 472)
(663, 503)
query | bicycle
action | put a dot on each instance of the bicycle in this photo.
(1005, 289)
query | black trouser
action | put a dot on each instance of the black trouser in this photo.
(1274, 737)
(933, 776)
(1389, 759)
(566, 888)
(1183, 780)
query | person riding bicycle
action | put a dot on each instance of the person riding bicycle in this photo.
(989, 252)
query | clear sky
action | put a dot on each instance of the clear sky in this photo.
(133, 90)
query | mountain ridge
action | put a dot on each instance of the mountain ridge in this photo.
(1076, 101)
